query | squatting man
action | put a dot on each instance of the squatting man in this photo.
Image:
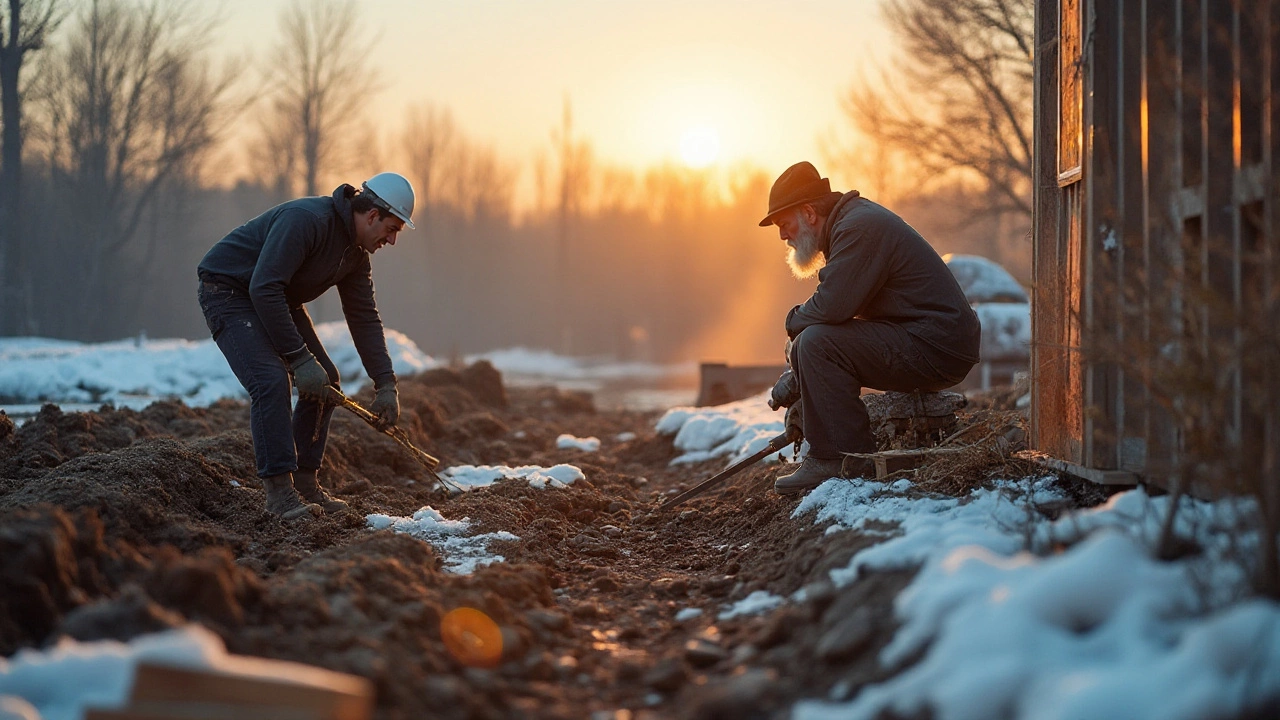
(887, 315)
(253, 286)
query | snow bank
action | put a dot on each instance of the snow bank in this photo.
(137, 371)
(569, 442)
(997, 519)
(469, 477)
(737, 429)
(984, 280)
(61, 682)
(1006, 330)
(462, 551)
(533, 365)
(1100, 630)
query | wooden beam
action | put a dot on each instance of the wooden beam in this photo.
(1100, 477)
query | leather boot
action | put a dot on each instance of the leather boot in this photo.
(309, 488)
(283, 500)
(811, 473)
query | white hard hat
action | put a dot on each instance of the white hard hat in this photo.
(393, 191)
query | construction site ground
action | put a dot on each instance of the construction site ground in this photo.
(115, 523)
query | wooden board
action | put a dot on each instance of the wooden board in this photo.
(888, 462)
(1101, 477)
(244, 689)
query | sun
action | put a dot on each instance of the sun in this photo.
(699, 146)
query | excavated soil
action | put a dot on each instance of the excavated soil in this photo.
(116, 522)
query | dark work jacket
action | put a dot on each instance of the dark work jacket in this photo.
(290, 255)
(879, 268)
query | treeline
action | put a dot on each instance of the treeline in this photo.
(129, 125)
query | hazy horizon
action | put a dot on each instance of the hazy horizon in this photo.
(765, 82)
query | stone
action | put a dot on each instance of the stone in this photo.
(717, 586)
(548, 619)
(847, 638)
(702, 653)
(668, 675)
(737, 697)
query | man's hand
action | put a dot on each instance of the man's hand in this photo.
(794, 421)
(785, 392)
(386, 405)
(312, 381)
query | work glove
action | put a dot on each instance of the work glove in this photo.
(785, 392)
(386, 405)
(312, 381)
(794, 421)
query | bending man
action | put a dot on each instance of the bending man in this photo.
(887, 314)
(253, 284)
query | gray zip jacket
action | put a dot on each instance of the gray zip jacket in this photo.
(879, 268)
(290, 255)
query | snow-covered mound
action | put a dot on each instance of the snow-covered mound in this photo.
(984, 280)
(1006, 330)
(736, 429)
(37, 370)
(63, 681)
(1101, 630)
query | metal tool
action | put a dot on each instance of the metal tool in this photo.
(792, 435)
(399, 435)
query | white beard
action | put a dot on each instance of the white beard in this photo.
(805, 258)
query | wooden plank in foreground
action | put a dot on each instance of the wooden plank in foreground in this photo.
(244, 689)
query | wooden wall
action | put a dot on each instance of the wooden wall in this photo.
(1156, 218)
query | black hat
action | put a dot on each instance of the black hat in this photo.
(797, 185)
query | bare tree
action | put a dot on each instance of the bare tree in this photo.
(316, 84)
(429, 137)
(132, 105)
(25, 26)
(961, 98)
(479, 185)
(573, 166)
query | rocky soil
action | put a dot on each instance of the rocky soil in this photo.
(116, 523)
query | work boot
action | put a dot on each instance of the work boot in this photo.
(811, 473)
(283, 500)
(309, 488)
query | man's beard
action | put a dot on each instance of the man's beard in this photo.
(805, 258)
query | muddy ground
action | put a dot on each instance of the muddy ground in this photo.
(115, 523)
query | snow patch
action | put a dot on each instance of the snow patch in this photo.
(62, 681)
(462, 552)
(1100, 630)
(469, 477)
(569, 442)
(736, 429)
(753, 604)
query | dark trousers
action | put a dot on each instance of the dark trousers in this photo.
(284, 438)
(834, 362)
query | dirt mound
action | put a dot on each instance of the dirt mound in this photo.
(116, 522)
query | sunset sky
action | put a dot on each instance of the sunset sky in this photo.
(693, 81)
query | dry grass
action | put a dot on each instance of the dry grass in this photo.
(983, 449)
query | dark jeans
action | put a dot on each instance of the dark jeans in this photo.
(284, 438)
(834, 362)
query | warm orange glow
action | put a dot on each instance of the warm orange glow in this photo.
(471, 637)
